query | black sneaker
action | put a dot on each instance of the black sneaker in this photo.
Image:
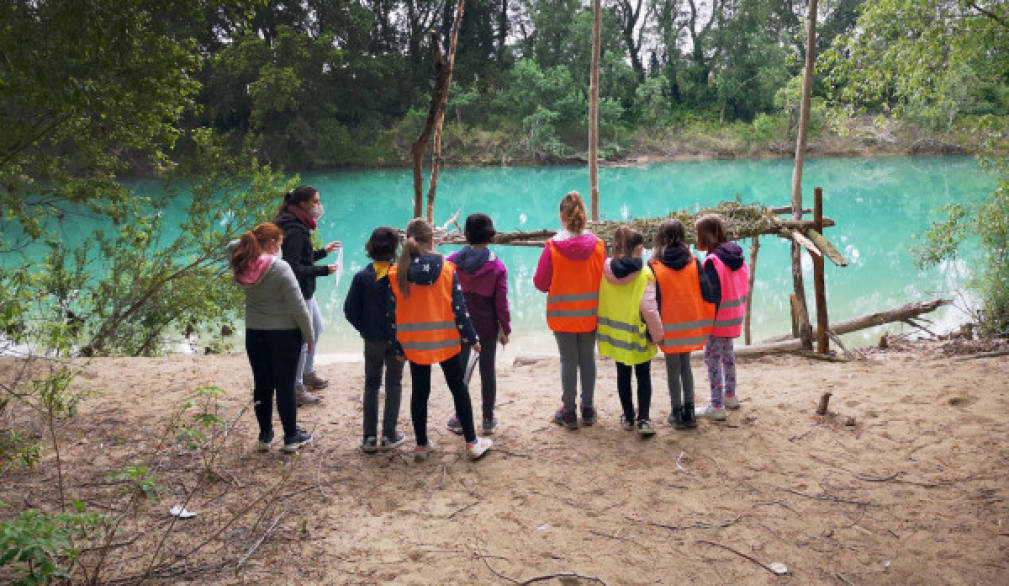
(689, 419)
(588, 416)
(263, 443)
(369, 445)
(676, 418)
(645, 428)
(627, 423)
(566, 418)
(300, 439)
(391, 443)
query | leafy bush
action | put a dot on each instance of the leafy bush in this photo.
(41, 547)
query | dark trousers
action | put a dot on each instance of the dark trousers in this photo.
(680, 379)
(488, 378)
(643, 373)
(379, 353)
(421, 377)
(273, 355)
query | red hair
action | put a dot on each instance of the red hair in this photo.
(252, 244)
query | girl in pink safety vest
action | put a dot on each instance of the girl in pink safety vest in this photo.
(729, 276)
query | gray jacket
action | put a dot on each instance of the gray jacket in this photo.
(274, 302)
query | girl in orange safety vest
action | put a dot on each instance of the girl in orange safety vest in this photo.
(569, 271)
(730, 277)
(429, 319)
(686, 302)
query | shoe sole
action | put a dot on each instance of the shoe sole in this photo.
(392, 446)
(646, 432)
(369, 449)
(289, 448)
(262, 448)
(474, 457)
(455, 430)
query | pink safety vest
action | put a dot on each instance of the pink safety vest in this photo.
(735, 285)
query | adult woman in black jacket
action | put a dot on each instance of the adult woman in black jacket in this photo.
(297, 217)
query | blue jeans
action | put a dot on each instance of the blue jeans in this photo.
(306, 364)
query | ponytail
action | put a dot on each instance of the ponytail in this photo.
(419, 238)
(251, 246)
(296, 196)
(573, 212)
(671, 234)
(625, 240)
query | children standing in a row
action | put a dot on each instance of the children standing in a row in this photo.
(626, 305)
(484, 281)
(569, 271)
(429, 318)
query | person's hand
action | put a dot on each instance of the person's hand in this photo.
(331, 269)
(333, 246)
(476, 347)
(504, 339)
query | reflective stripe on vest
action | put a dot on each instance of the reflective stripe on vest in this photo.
(735, 285)
(425, 322)
(686, 317)
(573, 297)
(621, 333)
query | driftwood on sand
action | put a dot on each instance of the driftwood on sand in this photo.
(787, 344)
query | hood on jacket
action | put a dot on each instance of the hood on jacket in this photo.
(470, 260)
(255, 271)
(287, 221)
(425, 270)
(675, 257)
(625, 266)
(731, 254)
(579, 247)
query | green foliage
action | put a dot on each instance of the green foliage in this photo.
(41, 547)
(140, 480)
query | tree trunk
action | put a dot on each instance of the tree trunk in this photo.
(594, 111)
(800, 155)
(442, 105)
(420, 145)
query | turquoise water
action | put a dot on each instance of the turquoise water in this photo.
(878, 205)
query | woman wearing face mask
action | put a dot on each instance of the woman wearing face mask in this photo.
(298, 216)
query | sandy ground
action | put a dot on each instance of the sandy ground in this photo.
(914, 492)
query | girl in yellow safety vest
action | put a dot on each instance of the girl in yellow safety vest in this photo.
(629, 324)
(429, 319)
(685, 301)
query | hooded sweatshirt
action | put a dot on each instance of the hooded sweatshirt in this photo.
(425, 270)
(574, 246)
(273, 299)
(365, 305)
(484, 281)
(731, 254)
(298, 252)
(621, 271)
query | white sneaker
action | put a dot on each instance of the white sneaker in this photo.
(478, 448)
(731, 402)
(711, 412)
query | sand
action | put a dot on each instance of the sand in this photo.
(915, 491)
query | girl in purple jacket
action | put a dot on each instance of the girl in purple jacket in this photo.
(484, 281)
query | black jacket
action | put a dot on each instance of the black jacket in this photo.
(365, 307)
(298, 253)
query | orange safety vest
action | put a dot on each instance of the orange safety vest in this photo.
(687, 318)
(573, 298)
(425, 322)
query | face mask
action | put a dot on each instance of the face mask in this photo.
(317, 211)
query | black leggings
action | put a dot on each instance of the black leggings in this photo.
(421, 377)
(273, 355)
(643, 373)
(488, 378)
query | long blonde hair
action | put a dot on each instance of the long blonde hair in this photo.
(573, 212)
(419, 239)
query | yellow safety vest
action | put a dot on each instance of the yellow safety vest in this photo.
(621, 333)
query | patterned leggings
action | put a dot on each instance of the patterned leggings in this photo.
(721, 363)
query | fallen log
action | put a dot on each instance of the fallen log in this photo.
(786, 344)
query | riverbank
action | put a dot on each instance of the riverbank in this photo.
(915, 489)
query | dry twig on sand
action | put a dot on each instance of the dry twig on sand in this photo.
(259, 542)
(534, 579)
(739, 553)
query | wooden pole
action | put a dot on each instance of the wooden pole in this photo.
(442, 105)
(819, 285)
(594, 111)
(800, 153)
(749, 292)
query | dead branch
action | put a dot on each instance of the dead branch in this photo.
(827, 498)
(821, 409)
(542, 578)
(982, 355)
(739, 553)
(698, 525)
(259, 542)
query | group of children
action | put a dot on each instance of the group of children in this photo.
(423, 309)
(676, 303)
